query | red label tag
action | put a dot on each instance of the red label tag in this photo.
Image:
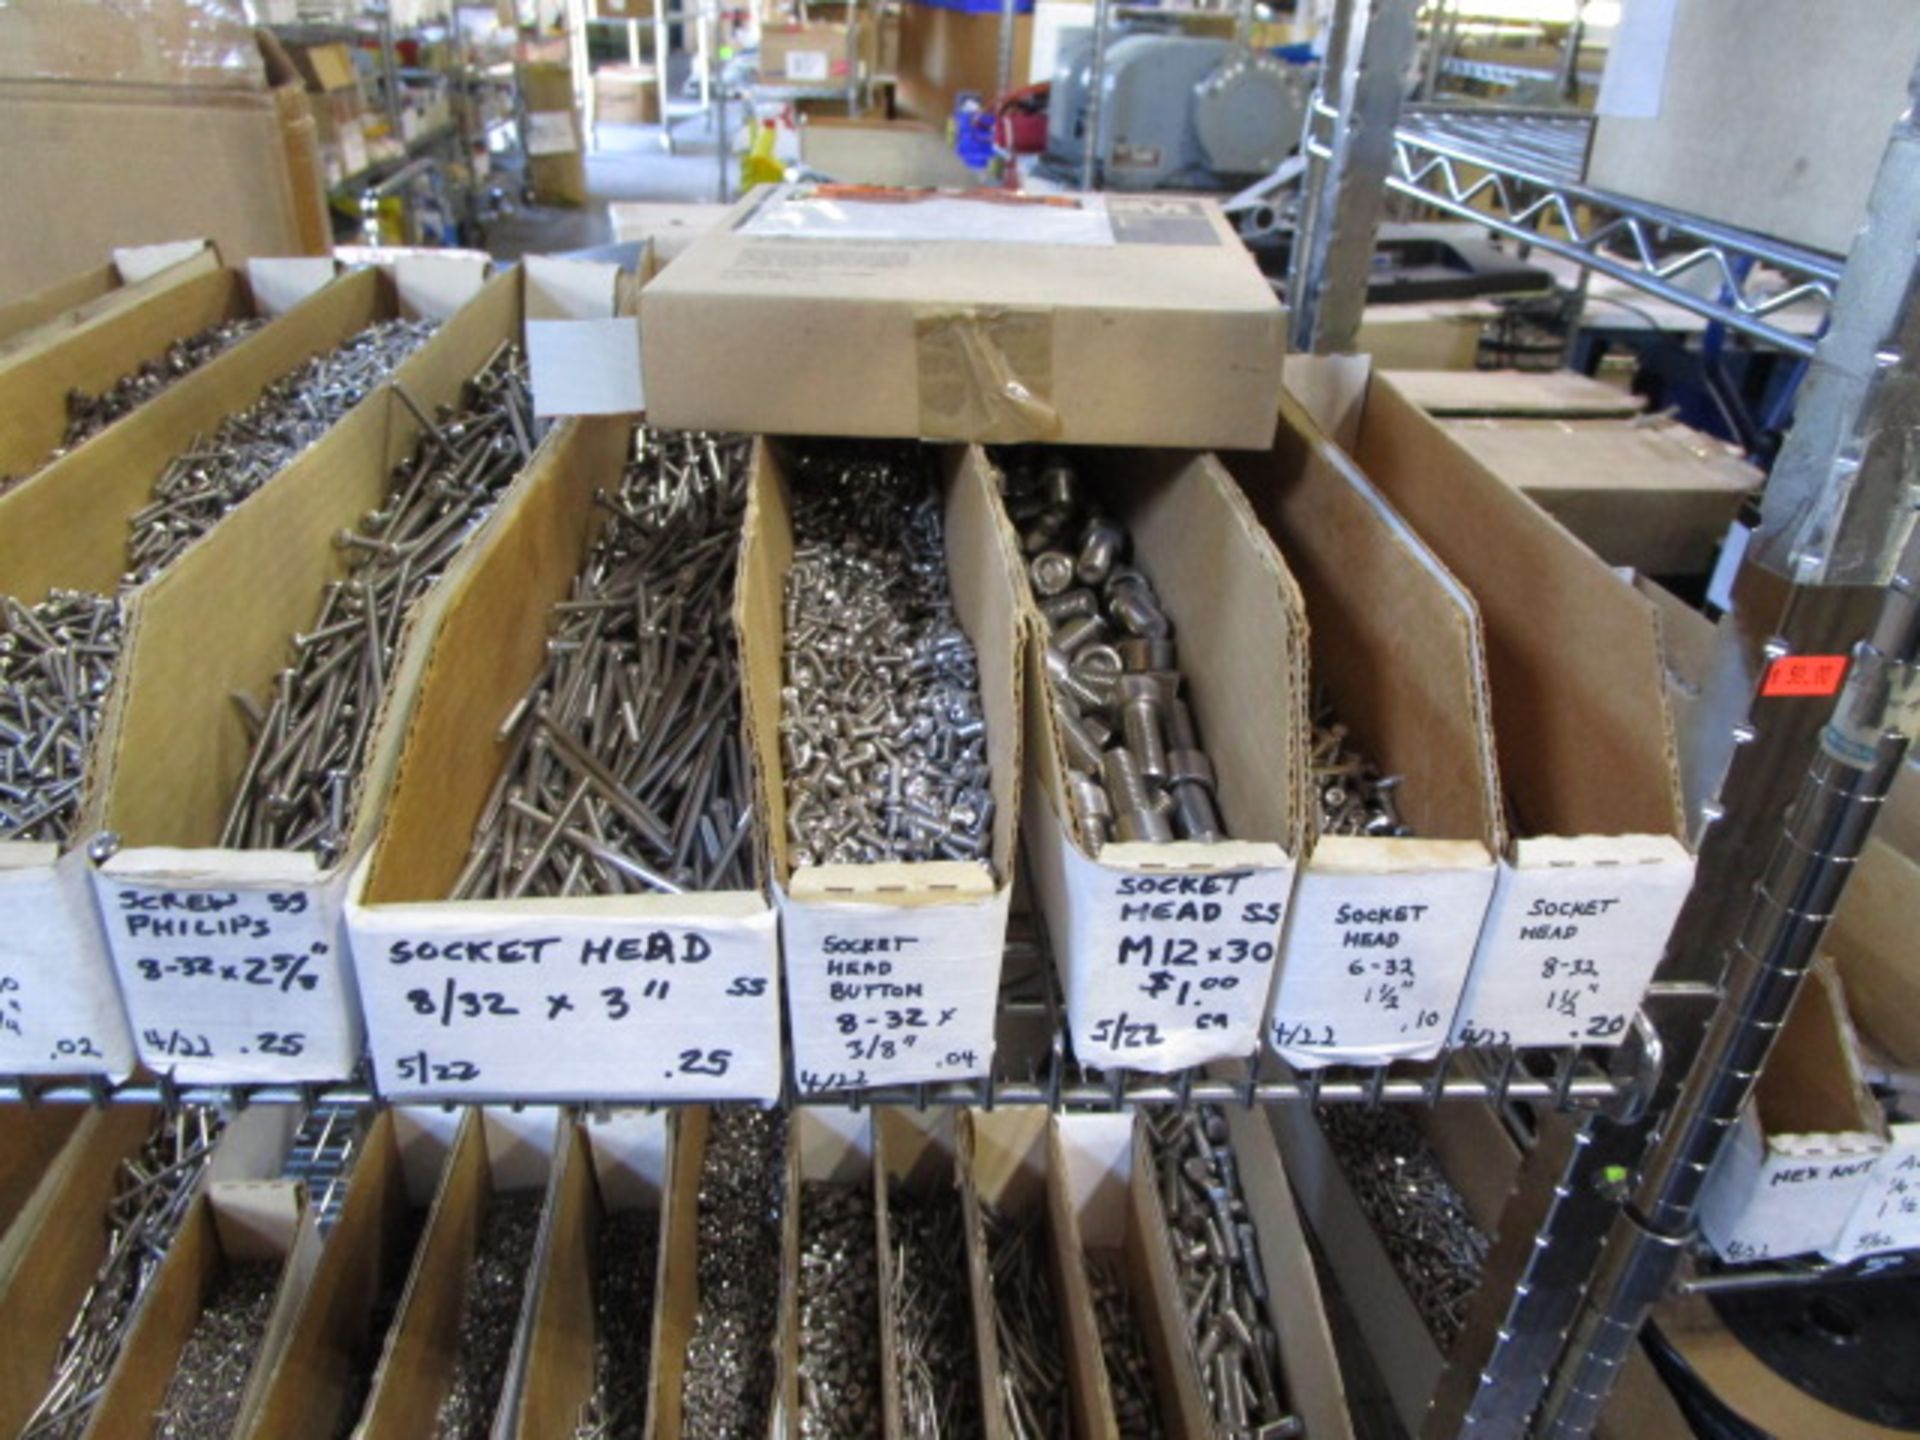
(1805, 675)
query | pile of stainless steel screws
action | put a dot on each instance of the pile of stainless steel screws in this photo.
(1136, 768)
(626, 769)
(1223, 1283)
(731, 1359)
(88, 415)
(204, 1397)
(1421, 1219)
(489, 1314)
(623, 1326)
(1027, 1324)
(56, 665)
(309, 741)
(839, 1301)
(1354, 798)
(215, 474)
(937, 1376)
(1123, 1348)
(151, 1194)
(883, 737)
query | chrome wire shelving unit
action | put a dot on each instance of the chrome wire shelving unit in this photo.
(1602, 1224)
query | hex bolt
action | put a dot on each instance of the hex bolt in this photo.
(1190, 782)
(1051, 572)
(1069, 605)
(1098, 664)
(1136, 817)
(1135, 608)
(1083, 751)
(1141, 697)
(1101, 544)
(1060, 671)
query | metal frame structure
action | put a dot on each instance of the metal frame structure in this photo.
(1594, 1234)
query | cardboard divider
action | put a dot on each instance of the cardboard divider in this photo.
(1167, 952)
(216, 1235)
(33, 1139)
(825, 1143)
(603, 1168)
(76, 301)
(1382, 929)
(1597, 863)
(494, 1153)
(277, 1000)
(859, 940)
(1006, 1166)
(914, 1152)
(706, 1030)
(1092, 1208)
(1309, 1369)
(367, 1252)
(55, 1253)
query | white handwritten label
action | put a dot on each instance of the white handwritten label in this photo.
(1373, 965)
(1162, 967)
(892, 994)
(807, 66)
(1568, 950)
(60, 1011)
(1788, 1196)
(550, 132)
(231, 983)
(475, 1001)
(1887, 1214)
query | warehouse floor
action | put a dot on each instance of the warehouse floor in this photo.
(629, 163)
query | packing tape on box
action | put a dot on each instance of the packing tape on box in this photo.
(985, 373)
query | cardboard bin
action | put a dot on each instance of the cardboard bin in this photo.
(1108, 320)
(1382, 929)
(608, 1164)
(337, 1329)
(495, 1153)
(825, 1143)
(1167, 952)
(1597, 863)
(276, 999)
(922, 939)
(228, 1225)
(708, 1028)
(1807, 1144)
(127, 278)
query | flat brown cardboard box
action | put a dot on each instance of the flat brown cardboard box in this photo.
(495, 1153)
(1424, 335)
(1654, 495)
(1220, 580)
(235, 1225)
(65, 305)
(325, 67)
(489, 648)
(1872, 944)
(626, 95)
(1597, 860)
(1168, 336)
(946, 918)
(1382, 930)
(1801, 1155)
(103, 165)
(819, 53)
(872, 150)
(943, 51)
(1561, 394)
(366, 1254)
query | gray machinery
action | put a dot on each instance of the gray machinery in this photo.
(1185, 110)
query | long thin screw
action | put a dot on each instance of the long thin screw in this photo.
(1354, 797)
(1026, 1322)
(1123, 1349)
(935, 1370)
(627, 1261)
(56, 667)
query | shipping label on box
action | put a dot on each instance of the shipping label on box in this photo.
(1777, 1195)
(1163, 966)
(60, 1010)
(1375, 962)
(233, 964)
(1572, 937)
(889, 994)
(589, 999)
(1887, 1215)
(550, 132)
